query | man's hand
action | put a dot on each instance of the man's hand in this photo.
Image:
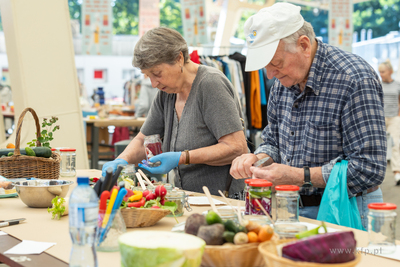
(279, 174)
(241, 166)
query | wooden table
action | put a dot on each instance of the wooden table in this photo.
(96, 123)
(40, 227)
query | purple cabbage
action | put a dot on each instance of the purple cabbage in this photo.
(337, 247)
(256, 210)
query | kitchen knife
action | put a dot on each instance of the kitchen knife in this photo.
(97, 186)
(107, 180)
(20, 220)
(10, 222)
(115, 177)
(263, 162)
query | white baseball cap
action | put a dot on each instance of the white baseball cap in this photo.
(266, 28)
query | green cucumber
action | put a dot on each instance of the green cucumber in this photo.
(43, 152)
(230, 226)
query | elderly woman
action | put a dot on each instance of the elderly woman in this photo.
(196, 111)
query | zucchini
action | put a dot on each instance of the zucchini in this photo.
(43, 152)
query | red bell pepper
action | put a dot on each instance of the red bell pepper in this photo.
(137, 204)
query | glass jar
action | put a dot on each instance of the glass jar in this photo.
(181, 200)
(260, 219)
(287, 203)
(289, 230)
(382, 227)
(227, 214)
(246, 192)
(109, 241)
(128, 175)
(259, 190)
(152, 145)
(68, 156)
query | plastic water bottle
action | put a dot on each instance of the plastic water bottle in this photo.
(83, 212)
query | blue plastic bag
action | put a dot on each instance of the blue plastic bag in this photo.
(336, 207)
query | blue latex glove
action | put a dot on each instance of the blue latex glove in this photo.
(169, 160)
(114, 164)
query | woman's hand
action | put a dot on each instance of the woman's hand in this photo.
(169, 161)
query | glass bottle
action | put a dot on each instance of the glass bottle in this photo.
(287, 203)
(68, 156)
(382, 227)
(259, 190)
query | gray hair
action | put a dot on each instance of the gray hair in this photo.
(291, 40)
(159, 45)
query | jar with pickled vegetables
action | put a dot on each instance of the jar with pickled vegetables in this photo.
(259, 190)
(181, 200)
(152, 145)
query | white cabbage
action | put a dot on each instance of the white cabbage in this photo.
(160, 249)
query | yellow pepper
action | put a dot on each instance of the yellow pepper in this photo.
(137, 195)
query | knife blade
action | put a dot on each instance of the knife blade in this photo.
(263, 162)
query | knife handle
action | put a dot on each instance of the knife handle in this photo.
(4, 224)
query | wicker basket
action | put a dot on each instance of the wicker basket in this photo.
(142, 217)
(232, 256)
(270, 254)
(21, 166)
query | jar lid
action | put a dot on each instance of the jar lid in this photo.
(287, 188)
(260, 183)
(382, 206)
(247, 181)
(67, 149)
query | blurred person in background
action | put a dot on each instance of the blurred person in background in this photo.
(146, 97)
(391, 101)
(197, 113)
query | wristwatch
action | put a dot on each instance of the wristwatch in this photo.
(307, 178)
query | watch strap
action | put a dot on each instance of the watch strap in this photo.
(307, 177)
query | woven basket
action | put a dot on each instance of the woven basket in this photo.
(232, 256)
(270, 254)
(142, 217)
(21, 166)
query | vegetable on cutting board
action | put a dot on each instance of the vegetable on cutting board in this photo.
(322, 248)
(59, 207)
(160, 248)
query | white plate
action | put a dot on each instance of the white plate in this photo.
(203, 201)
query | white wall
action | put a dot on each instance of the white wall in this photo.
(115, 66)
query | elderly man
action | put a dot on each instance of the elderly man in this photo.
(325, 106)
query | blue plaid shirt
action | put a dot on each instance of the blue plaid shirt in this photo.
(338, 116)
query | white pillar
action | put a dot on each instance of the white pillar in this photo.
(42, 69)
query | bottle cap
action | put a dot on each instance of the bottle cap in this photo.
(260, 183)
(67, 149)
(287, 188)
(382, 206)
(82, 180)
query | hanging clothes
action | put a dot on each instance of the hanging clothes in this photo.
(255, 99)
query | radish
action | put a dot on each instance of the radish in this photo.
(150, 196)
(146, 192)
(160, 191)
